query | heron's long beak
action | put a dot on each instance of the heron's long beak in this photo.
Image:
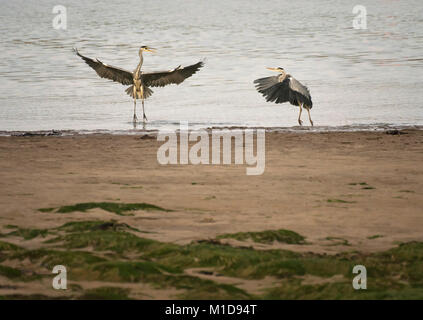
(272, 69)
(152, 50)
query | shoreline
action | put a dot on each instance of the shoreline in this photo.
(293, 129)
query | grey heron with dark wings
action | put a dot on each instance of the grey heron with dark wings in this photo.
(140, 82)
(285, 88)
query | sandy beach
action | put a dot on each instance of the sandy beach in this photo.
(341, 191)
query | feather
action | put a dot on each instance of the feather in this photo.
(175, 76)
(109, 72)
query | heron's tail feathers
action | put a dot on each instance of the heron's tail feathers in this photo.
(147, 92)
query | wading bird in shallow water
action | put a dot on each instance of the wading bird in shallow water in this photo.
(284, 88)
(140, 82)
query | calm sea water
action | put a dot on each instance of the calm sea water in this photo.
(356, 77)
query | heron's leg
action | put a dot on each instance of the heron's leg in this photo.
(299, 116)
(144, 117)
(309, 117)
(134, 94)
(135, 108)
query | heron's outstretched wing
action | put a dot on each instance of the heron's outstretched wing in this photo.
(272, 89)
(163, 78)
(288, 90)
(299, 93)
(108, 72)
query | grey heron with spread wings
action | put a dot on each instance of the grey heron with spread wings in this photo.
(284, 88)
(140, 82)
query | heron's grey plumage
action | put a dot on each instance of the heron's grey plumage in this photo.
(175, 76)
(109, 72)
(288, 90)
(272, 89)
(302, 94)
(139, 81)
(285, 88)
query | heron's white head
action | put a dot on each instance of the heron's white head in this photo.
(277, 69)
(146, 49)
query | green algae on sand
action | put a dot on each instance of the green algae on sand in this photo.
(114, 207)
(121, 256)
(268, 236)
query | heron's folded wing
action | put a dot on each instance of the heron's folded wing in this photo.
(272, 89)
(300, 92)
(163, 78)
(108, 72)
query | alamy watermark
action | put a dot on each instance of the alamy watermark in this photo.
(360, 280)
(60, 20)
(60, 281)
(207, 152)
(360, 20)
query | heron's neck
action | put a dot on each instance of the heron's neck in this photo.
(282, 76)
(138, 69)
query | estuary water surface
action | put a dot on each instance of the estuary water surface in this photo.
(356, 77)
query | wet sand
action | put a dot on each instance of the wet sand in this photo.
(342, 191)
(349, 185)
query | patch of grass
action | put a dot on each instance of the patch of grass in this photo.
(29, 234)
(114, 207)
(16, 274)
(106, 293)
(111, 240)
(343, 290)
(358, 183)
(403, 261)
(230, 261)
(268, 236)
(46, 209)
(364, 185)
(408, 252)
(75, 287)
(238, 262)
(120, 256)
(131, 271)
(31, 297)
(132, 187)
(339, 201)
(327, 266)
(6, 246)
(375, 236)
(11, 226)
(81, 226)
(50, 258)
(10, 273)
(338, 241)
(200, 289)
